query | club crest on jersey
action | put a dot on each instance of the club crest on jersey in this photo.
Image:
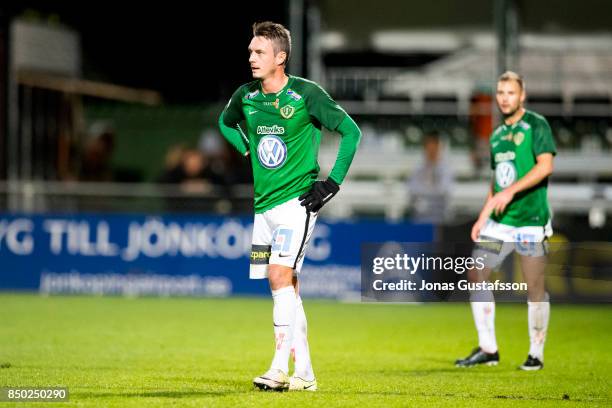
(287, 111)
(271, 152)
(518, 138)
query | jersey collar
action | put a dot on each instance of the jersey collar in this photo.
(277, 94)
(515, 124)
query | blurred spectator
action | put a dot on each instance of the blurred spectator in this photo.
(481, 125)
(96, 158)
(190, 168)
(212, 143)
(225, 162)
(431, 183)
(216, 149)
(97, 154)
(172, 164)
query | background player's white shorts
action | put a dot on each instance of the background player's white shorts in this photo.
(280, 237)
(496, 241)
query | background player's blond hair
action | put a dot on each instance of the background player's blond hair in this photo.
(512, 76)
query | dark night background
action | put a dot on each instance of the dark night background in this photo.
(193, 53)
(197, 52)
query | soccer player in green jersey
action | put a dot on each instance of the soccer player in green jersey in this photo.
(515, 217)
(283, 116)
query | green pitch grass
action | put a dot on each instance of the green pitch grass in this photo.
(204, 352)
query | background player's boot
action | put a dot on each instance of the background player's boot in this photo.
(532, 364)
(477, 357)
(273, 379)
(299, 384)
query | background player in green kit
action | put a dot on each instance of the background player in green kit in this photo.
(283, 116)
(516, 216)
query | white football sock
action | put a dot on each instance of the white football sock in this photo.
(538, 314)
(303, 365)
(283, 315)
(484, 318)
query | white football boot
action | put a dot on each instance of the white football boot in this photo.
(299, 384)
(273, 379)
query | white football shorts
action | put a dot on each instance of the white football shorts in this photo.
(496, 241)
(280, 237)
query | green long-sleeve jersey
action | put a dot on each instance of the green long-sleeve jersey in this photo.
(283, 134)
(514, 150)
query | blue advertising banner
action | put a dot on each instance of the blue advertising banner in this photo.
(139, 255)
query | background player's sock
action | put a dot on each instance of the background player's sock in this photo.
(303, 365)
(483, 309)
(283, 315)
(538, 314)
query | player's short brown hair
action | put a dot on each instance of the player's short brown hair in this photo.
(512, 76)
(277, 33)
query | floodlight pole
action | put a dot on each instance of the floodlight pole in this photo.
(506, 21)
(9, 142)
(296, 26)
(4, 90)
(313, 47)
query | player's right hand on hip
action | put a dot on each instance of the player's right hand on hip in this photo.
(320, 193)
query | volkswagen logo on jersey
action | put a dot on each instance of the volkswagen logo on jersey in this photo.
(505, 174)
(272, 152)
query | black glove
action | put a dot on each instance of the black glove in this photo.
(320, 193)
